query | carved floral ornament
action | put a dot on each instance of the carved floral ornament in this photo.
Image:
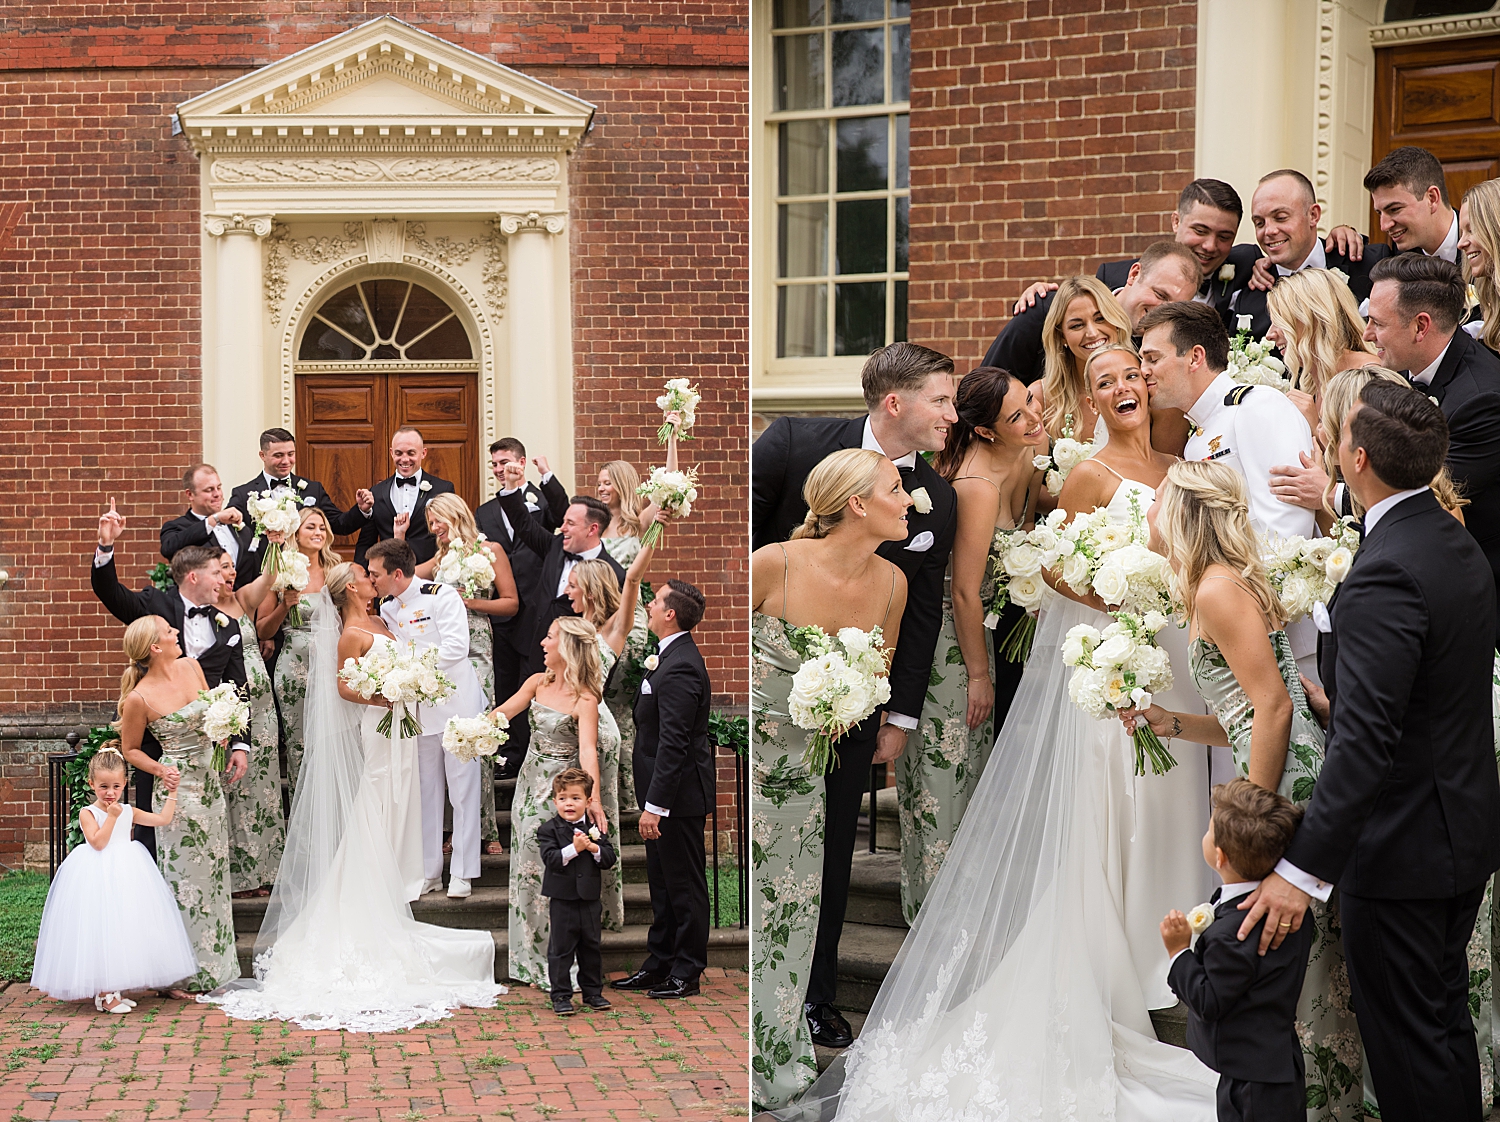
(361, 169)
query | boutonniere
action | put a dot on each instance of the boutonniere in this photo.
(1434, 400)
(222, 620)
(593, 833)
(424, 486)
(650, 663)
(1200, 918)
(1242, 323)
(309, 501)
(302, 485)
(921, 500)
(1343, 276)
(1226, 272)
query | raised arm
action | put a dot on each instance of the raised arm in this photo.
(978, 507)
(520, 701)
(512, 499)
(587, 713)
(617, 628)
(768, 468)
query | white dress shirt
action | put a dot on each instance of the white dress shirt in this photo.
(908, 461)
(1317, 259)
(568, 563)
(272, 483)
(197, 631)
(570, 851)
(404, 499)
(661, 649)
(223, 533)
(1229, 892)
(1448, 251)
(1429, 373)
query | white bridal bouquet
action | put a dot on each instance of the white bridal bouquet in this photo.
(1305, 571)
(683, 400)
(1115, 562)
(1118, 668)
(405, 676)
(468, 738)
(467, 567)
(291, 572)
(1017, 560)
(1067, 454)
(227, 715)
(674, 491)
(840, 683)
(279, 512)
(1252, 363)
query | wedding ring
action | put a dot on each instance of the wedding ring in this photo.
(1284, 923)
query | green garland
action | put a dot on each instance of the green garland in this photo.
(161, 576)
(75, 781)
(730, 730)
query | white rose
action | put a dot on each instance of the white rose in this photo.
(222, 619)
(424, 486)
(1200, 918)
(1114, 651)
(1226, 273)
(1337, 565)
(1026, 591)
(1078, 642)
(1154, 622)
(921, 502)
(650, 662)
(1241, 323)
(1054, 482)
(1111, 538)
(1023, 560)
(302, 485)
(1076, 571)
(1111, 583)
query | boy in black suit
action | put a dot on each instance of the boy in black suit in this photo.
(1242, 1007)
(571, 882)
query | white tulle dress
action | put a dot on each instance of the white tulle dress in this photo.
(110, 923)
(339, 948)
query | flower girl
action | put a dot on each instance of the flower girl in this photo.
(139, 943)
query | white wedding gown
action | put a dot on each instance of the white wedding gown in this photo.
(1022, 990)
(339, 948)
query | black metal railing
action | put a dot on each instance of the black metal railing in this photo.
(59, 803)
(742, 830)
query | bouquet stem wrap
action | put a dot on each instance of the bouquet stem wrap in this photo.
(399, 713)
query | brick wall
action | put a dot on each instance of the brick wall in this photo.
(99, 298)
(1046, 136)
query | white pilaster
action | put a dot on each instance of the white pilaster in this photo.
(535, 406)
(234, 412)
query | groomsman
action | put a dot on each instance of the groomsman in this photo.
(1410, 193)
(207, 520)
(1405, 818)
(404, 493)
(908, 392)
(1415, 309)
(674, 783)
(545, 504)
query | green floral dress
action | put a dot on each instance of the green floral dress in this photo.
(623, 549)
(554, 748)
(1325, 1017)
(257, 827)
(621, 702)
(1484, 952)
(291, 681)
(193, 852)
(936, 776)
(482, 659)
(786, 854)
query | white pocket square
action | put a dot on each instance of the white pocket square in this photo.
(921, 543)
(645, 685)
(232, 640)
(1320, 618)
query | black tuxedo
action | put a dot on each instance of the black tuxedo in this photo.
(1467, 388)
(674, 770)
(1252, 302)
(1405, 818)
(1017, 349)
(339, 521)
(574, 909)
(222, 662)
(580, 878)
(1217, 292)
(188, 529)
(381, 524)
(779, 465)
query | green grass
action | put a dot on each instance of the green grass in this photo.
(22, 895)
(729, 892)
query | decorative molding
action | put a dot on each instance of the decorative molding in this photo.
(386, 238)
(258, 225)
(1430, 30)
(385, 64)
(409, 169)
(552, 223)
(444, 250)
(312, 249)
(1323, 138)
(496, 280)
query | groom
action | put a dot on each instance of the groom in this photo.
(1405, 818)
(433, 615)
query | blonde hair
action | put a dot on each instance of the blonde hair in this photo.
(327, 558)
(337, 582)
(108, 758)
(624, 479)
(578, 646)
(830, 485)
(1063, 383)
(1320, 318)
(1339, 396)
(453, 511)
(1483, 201)
(140, 637)
(600, 587)
(1203, 520)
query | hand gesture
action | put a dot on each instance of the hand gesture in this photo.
(1282, 903)
(1176, 934)
(981, 699)
(596, 814)
(115, 810)
(239, 763)
(1306, 406)
(1302, 486)
(289, 597)
(111, 524)
(514, 475)
(1346, 240)
(1263, 275)
(542, 467)
(1032, 295)
(229, 516)
(364, 498)
(402, 524)
(890, 742)
(1157, 719)
(276, 536)
(581, 843)
(170, 777)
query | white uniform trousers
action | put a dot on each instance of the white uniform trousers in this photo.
(443, 773)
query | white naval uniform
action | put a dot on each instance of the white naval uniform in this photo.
(433, 615)
(1264, 430)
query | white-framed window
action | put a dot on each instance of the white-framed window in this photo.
(832, 185)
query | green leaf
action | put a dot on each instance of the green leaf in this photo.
(954, 657)
(1302, 789)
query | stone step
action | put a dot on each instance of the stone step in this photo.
(728, 947)
(826, 1055)
(866, 951)
(875, 889)
(887, 824)
(494, 868)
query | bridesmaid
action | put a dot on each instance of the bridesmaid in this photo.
(618, 480)
(257, 826)
(566, 731)
(1478, 249)
(827, 576)
(988, 459)
(1083, 316)
(159, 690)
(315, 541)
(1242, 665)
(451, 521)
(1315, 323)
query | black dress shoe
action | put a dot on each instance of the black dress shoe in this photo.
(674, 988)
(640, 980)
(563, 1007)
(829, 1029)
(598, 1001)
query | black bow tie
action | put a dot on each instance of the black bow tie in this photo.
(1214, 899)
(572, 556)
(406, 481)
(275, 483)
(204, 610)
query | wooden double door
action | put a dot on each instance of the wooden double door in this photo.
(345, 422)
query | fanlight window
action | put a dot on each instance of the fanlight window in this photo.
(384, 320)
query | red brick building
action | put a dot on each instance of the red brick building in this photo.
(182, 189)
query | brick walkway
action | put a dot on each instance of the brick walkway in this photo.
(167, 1060)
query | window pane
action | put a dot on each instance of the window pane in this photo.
(321, 343)
(798, 13)
(803, 158)
(864, 154)
(901, 62)
(859, 311)
(423, 309)
(802, 321)
(858, 67)
(861, 236)
(448, 340)
(385, 298)
(903, 146)
(802, 235)
(853, 11)
(903, 210)
(347, 311)
(900, 8)
(900, 315)
(799, 71)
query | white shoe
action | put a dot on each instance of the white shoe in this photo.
(458, 888)
(112, 1003)
(434, 884)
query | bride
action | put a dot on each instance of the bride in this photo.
(1023, 988)
(338, 948)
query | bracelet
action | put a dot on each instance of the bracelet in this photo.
(1176, 727)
